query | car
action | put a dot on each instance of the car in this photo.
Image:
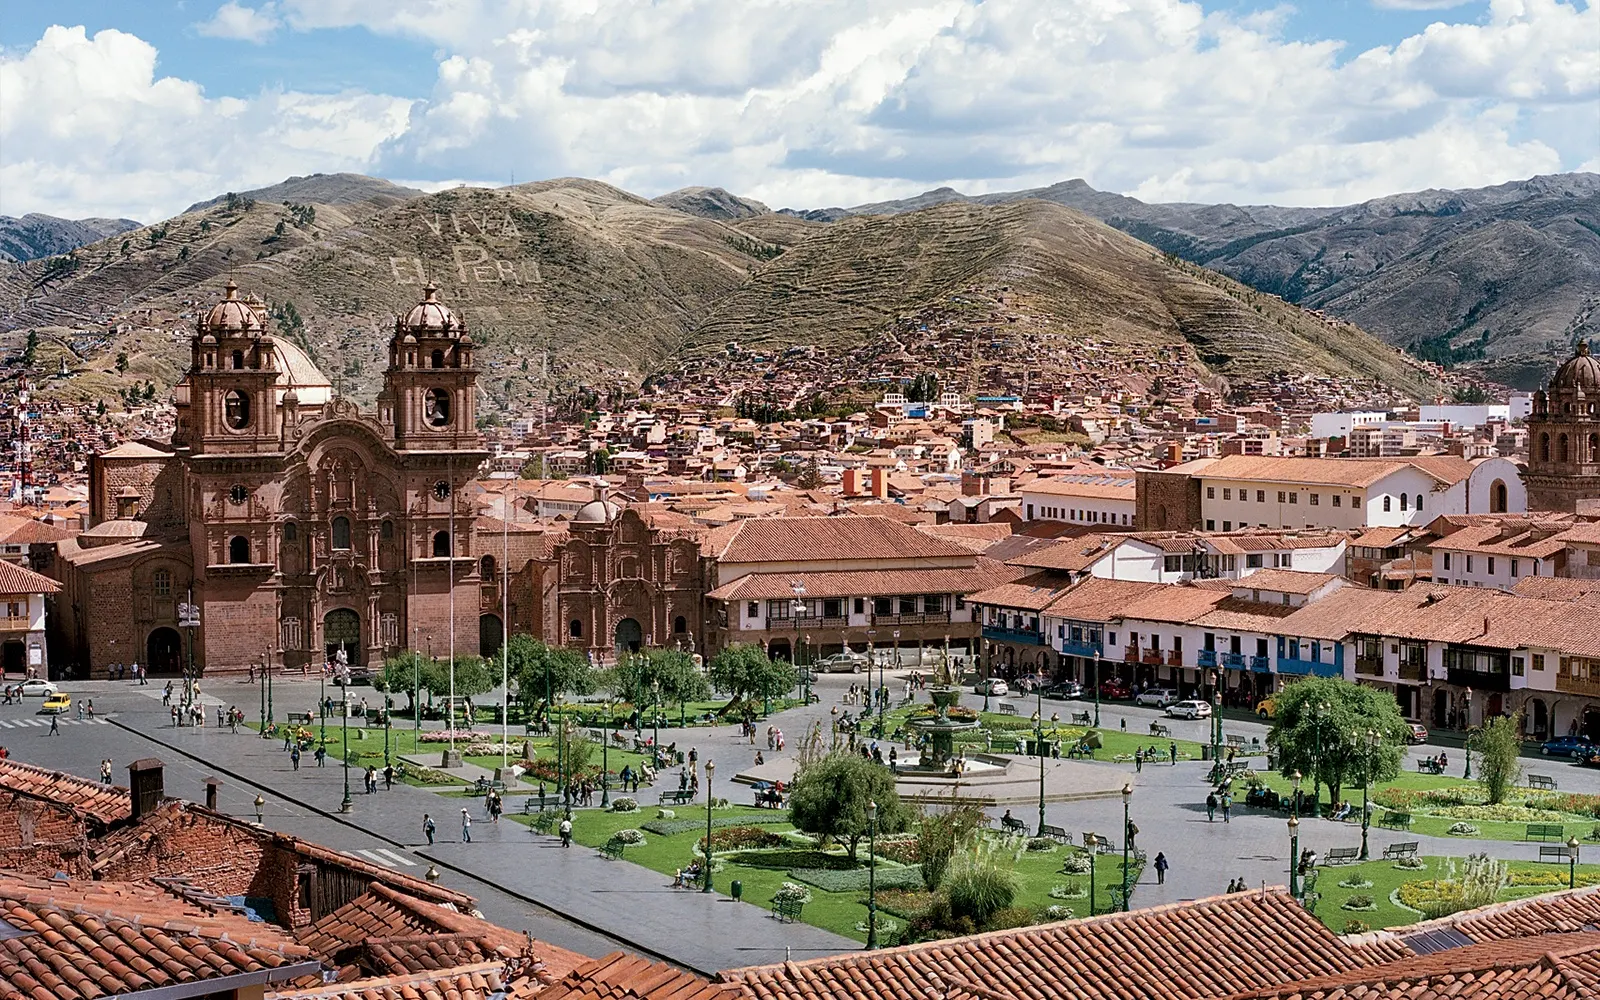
(1418, 733)
(991, 685)
(1159, 697)
(1114, 689)
(1027, 682)
(1568, 746)
(1266, 708)
(842, 663)
(56, 704)
(1065, 691)
(1189, 710)
(359, 674)
(37, 687)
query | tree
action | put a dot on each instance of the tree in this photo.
(1498, 749)
(810, 477)
(743, 670)
(403, 673)
(940, 835)
(674, 673)
(32, 348)
(830, 798)
(1321, 728)
(122, 361)
(541, 671)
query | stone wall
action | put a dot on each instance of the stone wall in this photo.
(1167, 501)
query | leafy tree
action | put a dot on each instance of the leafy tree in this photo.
(830, 800)
(122, 361)
(810, 477)
(404, 673)
(541, 670)
(675, 673)
(1498, 749)
(1334, 716)
(32, 347)
(472, 677)
(743, 670)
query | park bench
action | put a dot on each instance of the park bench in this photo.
(612, 848)
(483, 785)
(300, 718)
(530, 802)
(597, 735)
(1013, 825)
(677, 796)
(1543, 782)
(1098, 844)
(1543, 831)
(1006, 708)
(1055, 833)
(1236, 742)
(1396, 820)
(1404, 849)
(1080, 719)
(1553, 852)
(1341, 855)
(787, 910)
(1430, 765)
(1161, 730)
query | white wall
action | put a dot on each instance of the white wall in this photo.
(1077, 510)
(1324, 425)
(1485, 475)
(1486, 570)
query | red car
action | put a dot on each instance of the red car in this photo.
(1114, 689)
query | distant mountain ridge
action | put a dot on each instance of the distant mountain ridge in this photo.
(35, 235)
(324, 189)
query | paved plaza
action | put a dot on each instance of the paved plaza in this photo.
(579, 900)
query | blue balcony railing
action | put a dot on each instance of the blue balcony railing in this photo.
(1234, 660)
(999, 633)
(1295, 665)
(1208, 658)
(1081, 648)
(1260, 665)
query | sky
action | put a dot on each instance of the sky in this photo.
(138, 109)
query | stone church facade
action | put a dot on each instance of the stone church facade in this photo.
(302, 525)
(1563, 470)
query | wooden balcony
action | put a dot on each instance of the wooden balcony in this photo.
(1174, 658)
(1152, 657)
(1567, 684)
(913, 618)
(1369, 666)
(1413, 670)
(20, 623)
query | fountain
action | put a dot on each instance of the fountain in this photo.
(939, 757)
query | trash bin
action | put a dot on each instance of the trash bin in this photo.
(1205, 751)
(736, 889)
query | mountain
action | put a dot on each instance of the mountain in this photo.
(323, 189)
(1498, 279)
(610, 287)
(34, 235)
(711, 203)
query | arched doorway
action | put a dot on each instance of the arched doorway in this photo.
(490, 634)
(1538, 717)
(778, 649)
(341, 632)
(14, 656)
(629, 637)
(163, 652)
(1498, 497)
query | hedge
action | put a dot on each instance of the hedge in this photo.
(829, 880)
(673, 827)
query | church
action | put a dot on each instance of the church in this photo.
(301, 526)
(1563, 472)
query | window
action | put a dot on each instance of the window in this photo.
(236, 409)
(161, 583)
(1386, 502)
(1283, 496)
(441, 543)
(1447, 560)
(1171, 564)
(933, 604)
(1316, 499)
(1294, 497)
(1338, 501)
(860, 605)
(238, 549)
(1469, 564)
(680, 625)
(438, 359)
(1211, 492)
(386, 530)
(436, 407)
(1227, 526)
(238, 360)
(1252, 560)
(575, 629)
(1111, 638)
(1516, 666)
(1211, 525)
(1491, 565)
(291, 532)
(1405, 502)
(961, 602)
(1538, 661)
(341, 533)
(1227, 493)
(1515, 569)
(1419, 501)
(752, 609)
(486, 567)
(908, 604)
(1261, 496)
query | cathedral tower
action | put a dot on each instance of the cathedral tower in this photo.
(429, 389)
(1564, 437)
(227, 404)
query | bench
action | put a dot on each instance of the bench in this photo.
(483, 785)
(1098, 844)
(1006, 708)
(1081, 719)
(1543, 782)
(1236, 742)
(612, 848)
(597, 735)
(299, 718)
(786, 910)
(1405, 849)
(1006, 744)
(1543, 831)
(1055, 833)
(1158, 729)
(1342, 856)
(530, 801)
(677, 796)
(1013, 824)
(1395, 820)
(1553, 852)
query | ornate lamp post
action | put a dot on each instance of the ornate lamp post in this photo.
(1096, 694)
(1294, 857)
(655, 719)
(1127, 824)
(805, 675)
(322, 703)
(1466, 746)
(261, 805)
(872, 877)
(1316, 776)
(1369, 746)
(1294, 808)
(605, 759)
(710, 768)
(834, 713)
(388, 705)
(346, 805)
(416, 702)
(1572, 862)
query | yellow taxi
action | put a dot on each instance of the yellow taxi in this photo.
(56, 704)
(1266, 708)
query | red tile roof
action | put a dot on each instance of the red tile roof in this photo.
(1207, 948)
(106, 804)
(1568, 911)
(477, 981)
(620, 976)
(813, 539)
(866, 582)
(15, 579)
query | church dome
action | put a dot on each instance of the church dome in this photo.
(596, 512)
(232, 314)
(430, 315)
(1581, 371)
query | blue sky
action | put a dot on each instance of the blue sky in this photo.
(140, 108)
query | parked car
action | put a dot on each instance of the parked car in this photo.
(842, 663)
(1266, 708)
(360, 673)
(1065, 691)
(1114, 689)
(1159, 697)
(1189, 710)
(56, 704)
(38, 687)
(1568, 746)
(991, 685)
(1027, 682)
(1419, 732)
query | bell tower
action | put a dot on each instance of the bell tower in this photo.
(227, 402)
(429, 390)
(1563, 471)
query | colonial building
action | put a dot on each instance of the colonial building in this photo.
(1564, 437)
(302, 526)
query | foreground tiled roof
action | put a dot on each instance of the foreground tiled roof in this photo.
(106, 804)
(1213, 947)
(866, 582)
(620, 976)
(813, 539)
(82, 940)
(16, 579)
(1559, 912)
(477, 981)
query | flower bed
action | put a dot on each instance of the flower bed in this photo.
(1360, 901)
(786, 858)
(1462, 830)
(631, 837)
(1567, 802)
(1078, 864)
(673, 827)
(1358, 883)
(855, 880)
(741, 838)
(1552, 878)
(903, 850)
(1069, 890)
(792, 893)
(449, 735)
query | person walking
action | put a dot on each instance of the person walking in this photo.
(320, 755)
(1227, 807)
(1138, 760)
(55, 725)
(1211, 808)
(428, 828)
(566, 830)
(1161, 868)
(388, 777)
(166, 694)
(1172, 752)
(294, 758)
(105, 771)
(466, 826)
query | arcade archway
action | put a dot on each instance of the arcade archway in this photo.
(341, 633)
(629, 636)
(163, 652)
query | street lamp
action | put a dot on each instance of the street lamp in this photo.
(872, 877)
(1295, 807)
(1127, 826)
(1572, 862)
(605, 759)
(710, 768)
(1369, 747)
(872, 653)
(1321, 709)
(1096, 696)
(805, 676)
(1294, 857)
(261, 805)
(655, 719)
(322, 704)
(346, 805)
(1466, 745)
(388, 706)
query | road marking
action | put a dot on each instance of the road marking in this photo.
(401, 859)
(102, 722)
(374, 856)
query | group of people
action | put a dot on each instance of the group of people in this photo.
(1142, 754)
(864, 694)
(1435, 764)
(126, 671)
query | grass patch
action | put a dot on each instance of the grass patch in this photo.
(1385, 879)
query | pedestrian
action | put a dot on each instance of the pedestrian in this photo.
(1124, 724)
(1211, 808)
(1172, 752)
(166, 694)
(105, 771)
(466, 826)
(1161, 868)
(55, 725)
(1132, 833)
(388, 776)
(566, 830)
(1138, 760)
(1227, 807)
(320, 754)
(427, 828)
(294, 758)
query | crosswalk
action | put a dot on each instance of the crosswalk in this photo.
(45, 722)
(387, 858)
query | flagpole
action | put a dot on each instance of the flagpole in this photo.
(505, 624)
(451, 552)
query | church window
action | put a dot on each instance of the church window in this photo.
(291, 533)
(679, 626)
(1544, 447)
(436, 408)
(1561, 448)
(238, 494)
(236, 409)
(1594, 447)
(438, 359)
(1497, 499)
(575, 629)
(161, 583)
(341, 532)
(1405, 502)
(238, 549)
(441, 543)
(1419, 501)
(486, 567)
(386, 531)
(238, 360)
(1386, 503)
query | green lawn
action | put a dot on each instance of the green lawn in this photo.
(1115, 744)
(1386, 878)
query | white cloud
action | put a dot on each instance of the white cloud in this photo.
(245, 24)
(830, 102)
(1418, 4)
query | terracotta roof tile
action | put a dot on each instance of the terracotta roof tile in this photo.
(813, 539)
(620, 976)
(856, 583)
(477, 981)
(106, 804)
